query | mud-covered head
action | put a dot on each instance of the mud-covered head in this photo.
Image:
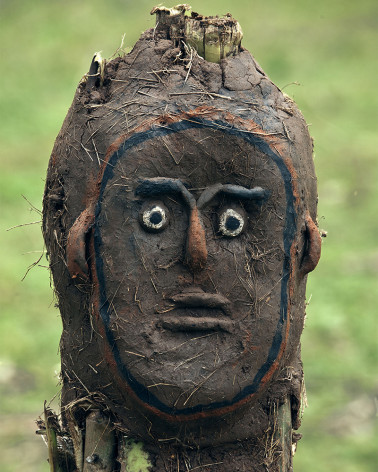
(187, 248)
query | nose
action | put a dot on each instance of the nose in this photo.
(196, 250)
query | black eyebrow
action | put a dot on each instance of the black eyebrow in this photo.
(236, 191)
(164, 186)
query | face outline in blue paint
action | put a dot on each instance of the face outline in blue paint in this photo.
(187, 337)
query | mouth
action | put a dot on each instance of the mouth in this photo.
(196, 310)
(197, 298)
(193, 323)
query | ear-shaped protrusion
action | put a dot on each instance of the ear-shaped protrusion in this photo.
(312, 247)
(76, 245)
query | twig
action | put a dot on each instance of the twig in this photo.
(148, 94)
(33, 265)
(198, 387)
(205, 465)
(33, 207)
(166, 145)
(24, 224)
(211, 94)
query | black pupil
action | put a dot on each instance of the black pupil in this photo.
(232, 223)
(155, 218)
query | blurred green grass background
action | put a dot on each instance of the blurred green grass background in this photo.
(324, 55)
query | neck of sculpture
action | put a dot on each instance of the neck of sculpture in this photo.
(273, 451)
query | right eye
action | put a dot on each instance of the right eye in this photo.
(154, 217)
(231, 222)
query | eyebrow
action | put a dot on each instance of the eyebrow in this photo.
(165, 186)
(235, 191)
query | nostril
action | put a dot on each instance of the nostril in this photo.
(196, 250)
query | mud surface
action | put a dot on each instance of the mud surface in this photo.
(185, 334)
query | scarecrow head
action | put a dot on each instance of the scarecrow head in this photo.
(186, 258)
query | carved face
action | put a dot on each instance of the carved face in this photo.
(192, 236)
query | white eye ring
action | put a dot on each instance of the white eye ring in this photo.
(231, 223)
(155, 218)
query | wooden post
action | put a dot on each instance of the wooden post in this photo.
(284, 435)
(60, 459)
(213, 38)
(100, 443)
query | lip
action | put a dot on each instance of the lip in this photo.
(195, 297)
(193, 323)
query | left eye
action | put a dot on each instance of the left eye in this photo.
(231, 223)
(154, 218)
